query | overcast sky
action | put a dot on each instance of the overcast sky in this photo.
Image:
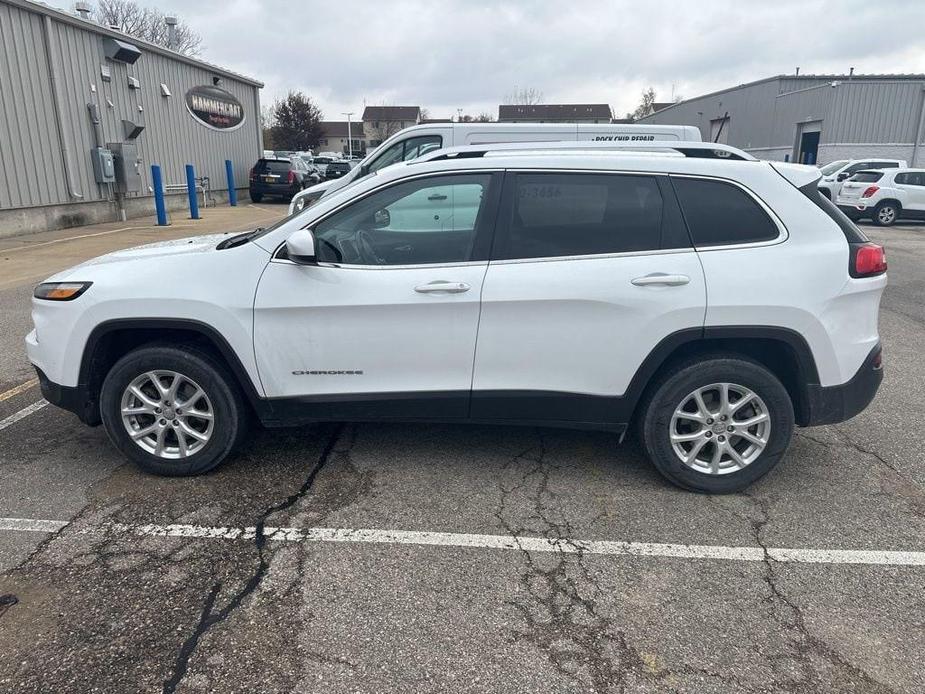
(449, 54)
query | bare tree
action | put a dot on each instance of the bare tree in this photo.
(145, 23)
(646, 105)
(528, 96)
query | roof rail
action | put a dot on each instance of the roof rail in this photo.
(699, 150)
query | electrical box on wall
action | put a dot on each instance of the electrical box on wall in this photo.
(127, 166)
(104, 170)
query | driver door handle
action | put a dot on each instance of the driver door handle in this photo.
(442, 287)
(660, 278)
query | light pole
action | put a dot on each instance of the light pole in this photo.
(349, 136)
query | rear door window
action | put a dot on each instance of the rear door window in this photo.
(720, 213)
(552, 215)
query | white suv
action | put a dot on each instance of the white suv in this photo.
(885, 196)
(710, 299)
(836, 173)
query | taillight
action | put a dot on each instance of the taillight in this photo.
(870, 191)
(867, 260)
(253, 175)
(291, 177)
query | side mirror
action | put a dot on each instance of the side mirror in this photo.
(381, 219)
(843, 176)
(300, 247)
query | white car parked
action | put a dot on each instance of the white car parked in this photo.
(885, 196)
(836, 173)
(513, 284)
(418, 140)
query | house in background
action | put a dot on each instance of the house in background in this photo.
(381, 122)
(554, 113)
(334, 137)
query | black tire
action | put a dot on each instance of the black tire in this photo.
(230, 412)
(256, 197)
(683, 378)
(886, 208)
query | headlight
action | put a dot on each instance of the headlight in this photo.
(60, 291)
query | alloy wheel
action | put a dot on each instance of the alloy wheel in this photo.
(720, 428)
(167, 414)
(886, 215)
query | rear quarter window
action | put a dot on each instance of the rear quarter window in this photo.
(866, 177)
(273, 166)
(722, 214)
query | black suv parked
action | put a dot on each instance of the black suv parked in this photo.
(280, 177)
(337, 168)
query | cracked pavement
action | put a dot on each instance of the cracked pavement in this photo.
(86, 611)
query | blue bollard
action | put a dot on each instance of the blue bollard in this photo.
(232, 193)
(191, 191)
(158, 185)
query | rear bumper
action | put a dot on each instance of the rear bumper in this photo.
(833, 404)
(281, 189)
(74, 399)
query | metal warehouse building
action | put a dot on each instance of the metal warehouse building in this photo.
(85, 111)
(813, 118)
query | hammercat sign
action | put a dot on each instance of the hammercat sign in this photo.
(215, 108)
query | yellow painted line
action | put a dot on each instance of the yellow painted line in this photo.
(16, 390)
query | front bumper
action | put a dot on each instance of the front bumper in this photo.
(833, 404)
(74, 399)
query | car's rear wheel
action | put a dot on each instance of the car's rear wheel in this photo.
(172, 411)
(886, 214)
(717, 425)
(256, 197)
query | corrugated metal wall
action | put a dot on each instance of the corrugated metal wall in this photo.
(874, 112)
(765, 115)
(31, 169)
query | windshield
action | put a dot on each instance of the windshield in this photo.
(829, 169)
(322, 160)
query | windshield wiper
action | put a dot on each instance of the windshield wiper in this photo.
(238, 239)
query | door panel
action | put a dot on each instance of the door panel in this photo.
(560, 337)
(391, 308)
(580, 326)
(372, 321)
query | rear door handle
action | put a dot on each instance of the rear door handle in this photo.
(661, 279)
(442, 287)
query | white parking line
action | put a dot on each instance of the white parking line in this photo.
(24, 412)
(497, 542)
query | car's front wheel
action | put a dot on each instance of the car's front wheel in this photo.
(717, 425)
(172, 411)
(886, 214)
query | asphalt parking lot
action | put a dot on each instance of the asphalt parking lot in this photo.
(412, 558)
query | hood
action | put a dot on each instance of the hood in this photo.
(159, 249)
